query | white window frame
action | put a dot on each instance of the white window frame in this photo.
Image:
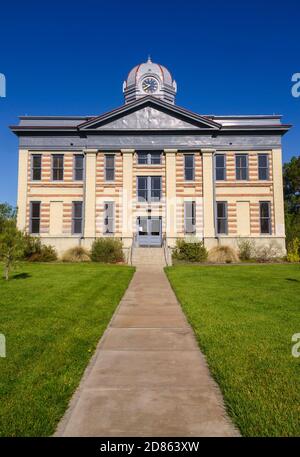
(193, 203)
(33, 168)
(110, 168)
(242, 168)
(267, 168)
(52, 167)
(77, 218)
(109, 217)
(35, 218)
(222, 218)
(75, 168)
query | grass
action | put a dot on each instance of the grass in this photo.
(244, 318)
(52, 316)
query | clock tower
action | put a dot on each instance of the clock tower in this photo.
(149, 78)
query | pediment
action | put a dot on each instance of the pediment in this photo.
(149, 115)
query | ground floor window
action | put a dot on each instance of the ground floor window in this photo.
(109, 217)
(35, 217)
(265, 218)
(77, 218)
(189, 217)
(222, 222)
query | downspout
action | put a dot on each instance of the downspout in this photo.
(84, 199)
(214, 197)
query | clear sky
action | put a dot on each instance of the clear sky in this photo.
(68, 57)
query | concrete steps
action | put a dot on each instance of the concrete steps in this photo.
(148, 256)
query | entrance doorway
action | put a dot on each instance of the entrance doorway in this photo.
(149, 231)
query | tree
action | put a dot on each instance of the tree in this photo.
(11, 245)
(291, 181)
(6, 212)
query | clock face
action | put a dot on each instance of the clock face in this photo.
(149, 85)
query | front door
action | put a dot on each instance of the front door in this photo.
(149, 231)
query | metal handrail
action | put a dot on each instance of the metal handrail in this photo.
(131, 249)
(165, 248)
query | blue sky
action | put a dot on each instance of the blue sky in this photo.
(64, 57)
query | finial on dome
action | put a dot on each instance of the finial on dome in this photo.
(149, 59)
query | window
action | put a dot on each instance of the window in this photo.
(263, 167)
(189, 167)
(35, 217)
(220, 163)
(109, 167)
(265, 217)
(57, 167)
(155, 188)
(189, 217)
(78, 167)
(77, 218)
(109, 217)
(36, 167)
(222, 218)
(149, 188)
(241, 167)
(149, 158)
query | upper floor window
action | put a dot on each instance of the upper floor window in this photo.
(265, 217)
(149, 158)
(189, 167)
(36, 167)
(109, 217)
(77, 213)
(149, 188)
(241, 167)
(220, 163)
(109, 167)
(57, 167)
(222, 220)
(35, 217)
(78, 167)
(263, 167)
(189, 217)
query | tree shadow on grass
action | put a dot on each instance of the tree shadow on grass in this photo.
(21, 276)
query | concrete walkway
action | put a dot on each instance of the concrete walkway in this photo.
(148, 376)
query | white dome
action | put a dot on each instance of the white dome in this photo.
(165, 88)
(152, 68)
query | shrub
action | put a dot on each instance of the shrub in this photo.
(293, 254)
(190, 251)
(32, 246)
(47, 254)
(11, 245)
(76, 254)
(246, 249)
(107, 250)
(269, 252)
(223, 254)
(35, 251)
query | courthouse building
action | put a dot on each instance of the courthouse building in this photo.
(150, 172)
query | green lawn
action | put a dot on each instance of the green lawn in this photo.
(52, 316)
(244, 318)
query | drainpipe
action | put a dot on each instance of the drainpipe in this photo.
(214, 197)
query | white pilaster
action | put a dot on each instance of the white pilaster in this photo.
(22, 188)
(90, 194)
(171, 230)
(208, 193)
